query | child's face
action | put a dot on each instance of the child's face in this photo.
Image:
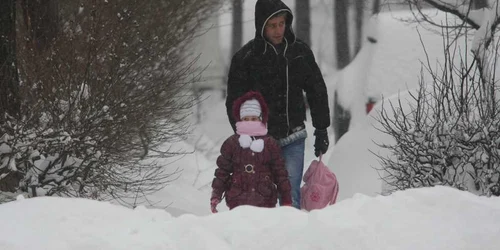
(250, 118)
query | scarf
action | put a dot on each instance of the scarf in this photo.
(248, 129)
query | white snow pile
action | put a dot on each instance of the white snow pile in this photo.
(425, 218)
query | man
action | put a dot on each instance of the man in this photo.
(281, 67)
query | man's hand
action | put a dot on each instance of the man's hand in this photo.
(213, 204)
(321, 143)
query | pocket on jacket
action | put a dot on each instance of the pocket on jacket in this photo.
(266, 187)
(234, 187)
(233, 193)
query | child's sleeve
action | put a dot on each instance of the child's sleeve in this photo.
(280, 174)
(224, 170)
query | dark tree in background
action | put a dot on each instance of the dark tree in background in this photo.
(358, 21)
(341, 116)
(341, 33)
(9, 82)
(303, 20)
(376, 7)
(237, 31)
(478, 4)
(41, 18)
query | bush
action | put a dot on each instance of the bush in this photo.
(450, 134)
(99, 101)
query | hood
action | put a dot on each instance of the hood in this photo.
(264, 9)
(250, 95)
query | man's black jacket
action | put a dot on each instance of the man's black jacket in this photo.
(280, 74)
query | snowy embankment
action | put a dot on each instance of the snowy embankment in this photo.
(426, 218)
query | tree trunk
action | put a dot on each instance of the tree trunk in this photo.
(237, 34)
(341, 116)
(341, 33)
(358, 19)
(237, 26)
(41, 18)
(478, 4)
(303, 20)
(376, 7)
(9, 81)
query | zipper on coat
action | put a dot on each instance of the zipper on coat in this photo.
(287, 84)
(287, 89)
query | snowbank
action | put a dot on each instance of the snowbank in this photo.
(427, 218)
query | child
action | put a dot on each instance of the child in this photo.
(251, 170)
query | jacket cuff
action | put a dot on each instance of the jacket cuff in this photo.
(217, 194)
(320, 132)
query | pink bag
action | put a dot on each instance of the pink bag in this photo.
(320, 188)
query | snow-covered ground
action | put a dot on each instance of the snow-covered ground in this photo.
(438, 218)
(427, 218)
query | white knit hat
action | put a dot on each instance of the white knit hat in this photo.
(250, 108)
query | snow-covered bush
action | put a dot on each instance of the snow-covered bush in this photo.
(449, 132)
(97, 103)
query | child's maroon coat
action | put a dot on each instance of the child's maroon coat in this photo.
(251, 178)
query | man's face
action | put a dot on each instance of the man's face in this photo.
(275, 29)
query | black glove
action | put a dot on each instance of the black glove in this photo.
(321, 143)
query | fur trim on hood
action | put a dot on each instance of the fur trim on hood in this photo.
(250, 95)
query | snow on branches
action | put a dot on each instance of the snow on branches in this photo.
(101, 100)
(448, 132)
